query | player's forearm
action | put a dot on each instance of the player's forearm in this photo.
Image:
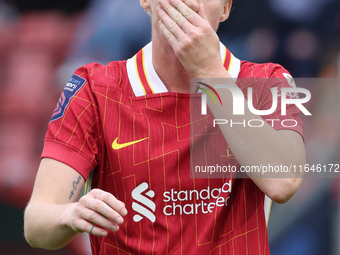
(253, 146)
(260, 146)
(45, 225)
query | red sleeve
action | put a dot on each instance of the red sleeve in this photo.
(74, 133)
(281, 78)
(261, 78)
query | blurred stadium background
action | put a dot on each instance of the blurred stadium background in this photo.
(43, 42)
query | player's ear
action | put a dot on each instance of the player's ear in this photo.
(145, 5)
(226, 10)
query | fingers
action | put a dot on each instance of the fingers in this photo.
(81, 225)
(94, 218)
(182, 14)
(113, 204)
(92, 229)
(104, 204)
(97, 211)
(192, 4)
(179, 23)
(168, 34)
(171, 22)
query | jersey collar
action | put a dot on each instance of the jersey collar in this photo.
(144, 79)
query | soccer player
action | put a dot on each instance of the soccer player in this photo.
(125, 129)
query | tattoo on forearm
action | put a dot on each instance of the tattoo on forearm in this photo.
(75, 185)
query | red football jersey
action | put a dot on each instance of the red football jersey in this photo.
(120, 123)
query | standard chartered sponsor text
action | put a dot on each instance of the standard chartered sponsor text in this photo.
(202, 201)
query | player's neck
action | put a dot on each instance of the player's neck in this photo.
(169, 68)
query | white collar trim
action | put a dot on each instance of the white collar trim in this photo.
(155, 83)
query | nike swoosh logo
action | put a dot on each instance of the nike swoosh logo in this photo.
(117, 146)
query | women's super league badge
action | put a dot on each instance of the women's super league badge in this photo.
(71, 88)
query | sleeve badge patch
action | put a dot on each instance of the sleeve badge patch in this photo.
(71, 88)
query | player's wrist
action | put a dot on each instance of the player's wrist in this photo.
(220, 72)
